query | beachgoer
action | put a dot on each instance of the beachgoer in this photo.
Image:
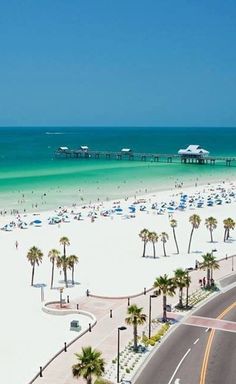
(16, 244)
(204, 281)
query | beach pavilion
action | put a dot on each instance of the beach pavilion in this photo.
(193, 153)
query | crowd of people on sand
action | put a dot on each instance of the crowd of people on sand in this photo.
(128, 207)
(33, 200)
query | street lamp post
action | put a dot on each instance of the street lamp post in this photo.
(187, 286)
(213, 250)
(118, 353)
(61, 291)
(150, 314)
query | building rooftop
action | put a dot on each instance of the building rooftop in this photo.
(193, 150)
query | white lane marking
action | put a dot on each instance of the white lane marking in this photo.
(196, 341)
(176, 369)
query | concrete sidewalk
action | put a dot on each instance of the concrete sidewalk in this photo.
(104, 334)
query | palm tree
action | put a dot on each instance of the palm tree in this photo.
(144, 235)
(53, 255)
(153, 238)
(164, 237)
(211, 224)
(73, 259)
(65, 242)
(228, 225)
(63, 261)
(90, 363)
(165, 286)
(173, 224)
(181, 280)
(195, 220)
(214, 265)
(34, 256)
(136, 317)
(209, 263)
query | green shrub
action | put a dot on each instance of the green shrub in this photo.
(152, 342)
(157, 337)
(127, 370)
(145, 340)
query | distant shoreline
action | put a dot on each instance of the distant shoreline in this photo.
(30, 201)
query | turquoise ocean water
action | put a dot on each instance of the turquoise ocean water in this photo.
(30, 175)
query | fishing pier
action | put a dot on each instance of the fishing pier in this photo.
(186, 156)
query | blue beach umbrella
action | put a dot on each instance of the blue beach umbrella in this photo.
(132, 209)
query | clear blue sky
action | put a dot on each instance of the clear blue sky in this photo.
(118, 62)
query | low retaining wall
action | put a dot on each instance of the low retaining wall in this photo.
(64, 312)
(148, 289)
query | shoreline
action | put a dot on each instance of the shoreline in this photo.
(19, 203)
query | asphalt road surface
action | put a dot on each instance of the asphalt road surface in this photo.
(194, 354)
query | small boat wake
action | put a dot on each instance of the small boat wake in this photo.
(54, 133)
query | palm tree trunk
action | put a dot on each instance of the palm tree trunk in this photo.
(164, 248)
(225, 234)
(64, 250)
(135, 336)
(32, 276)
(144, 248)
(65, 276)
(72, 275)
(154, 250)
(52, 276)
(208, 277)
(181, 297)
(164, 317)
(176, 244)
(190, 240)
(89, 379)
(211, 236)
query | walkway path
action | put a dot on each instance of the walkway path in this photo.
(104, 334)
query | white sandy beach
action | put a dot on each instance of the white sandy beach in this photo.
(110, 264)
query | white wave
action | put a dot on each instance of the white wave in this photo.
(54, 133)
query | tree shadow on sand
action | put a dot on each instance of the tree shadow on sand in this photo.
(151, 257)
(69, 282)
(40, 285)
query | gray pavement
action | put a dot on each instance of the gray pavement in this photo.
(104, 334)
(179, 359)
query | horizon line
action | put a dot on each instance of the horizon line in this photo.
(117, 126)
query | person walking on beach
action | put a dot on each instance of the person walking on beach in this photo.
(16, 244)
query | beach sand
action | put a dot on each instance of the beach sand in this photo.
(110, 264)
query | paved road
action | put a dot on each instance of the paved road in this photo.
(104, 334)
(228, 280)
(179, 360)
